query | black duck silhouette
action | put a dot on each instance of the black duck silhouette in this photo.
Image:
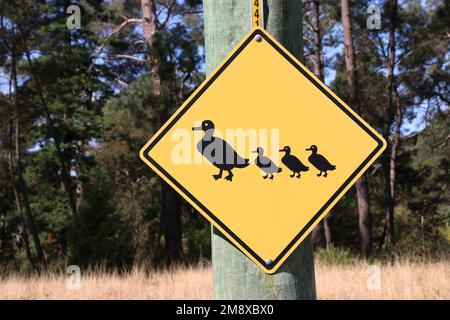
(219, 152)
(265, 164)
(292, 162)
(319, 161)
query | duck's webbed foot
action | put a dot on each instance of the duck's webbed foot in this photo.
(218, 176)
(319, 174)
(265, 177)
(292, 175)
(298, 175)
(229, 177)
(271, 177)
(325, 174)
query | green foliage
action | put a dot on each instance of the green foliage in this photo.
(98, 235)
(128, 120)
(425, 189)
(334, 256)
(198, 246)
(8, 223)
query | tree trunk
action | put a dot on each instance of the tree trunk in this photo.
(65, 176)
(322, 233)
(396, 143)
(19, 167)
(236, 276)
(149, 20)
(317, 32)
(327, 230)
(318, 236)
(12, 174)
(349, 53)
(365, 218)
(362, 188)
(386, 160)
(172, 226)
(171, 201)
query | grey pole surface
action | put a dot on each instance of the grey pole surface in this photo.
(236, 276)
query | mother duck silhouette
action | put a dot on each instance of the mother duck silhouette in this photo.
(320, 162)
(219, 152)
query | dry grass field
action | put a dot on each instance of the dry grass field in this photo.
(398, 281)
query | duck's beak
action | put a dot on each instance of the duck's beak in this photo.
(309, 149)
(281, 150)
(196, 128)
(255, 151)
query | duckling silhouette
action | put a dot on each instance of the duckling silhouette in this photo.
(292, 162)
(265, 164)
(319, 161)
(218, 151)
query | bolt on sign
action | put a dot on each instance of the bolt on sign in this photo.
(263, 149)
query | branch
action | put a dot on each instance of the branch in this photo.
(126, 56)
(113, 32)
(168, 14)
(381, 44)
(443, 144)
(403, 56)
(122, 83)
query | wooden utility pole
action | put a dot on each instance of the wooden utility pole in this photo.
(235, 275)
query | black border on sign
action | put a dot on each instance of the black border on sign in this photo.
(208, 212)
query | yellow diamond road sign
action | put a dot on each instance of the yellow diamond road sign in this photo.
(272, 150)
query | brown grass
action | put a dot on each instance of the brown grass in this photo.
(398, 281)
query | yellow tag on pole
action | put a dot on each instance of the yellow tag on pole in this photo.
(257, 10)
(263, 161)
